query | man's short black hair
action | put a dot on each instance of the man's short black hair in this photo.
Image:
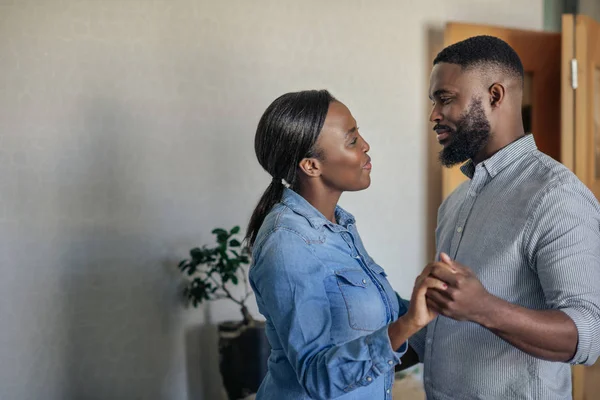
(483, 51)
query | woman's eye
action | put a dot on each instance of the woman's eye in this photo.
(354, 141)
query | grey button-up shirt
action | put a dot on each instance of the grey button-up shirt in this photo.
(530, 230)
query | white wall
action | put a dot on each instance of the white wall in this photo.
(126, 132)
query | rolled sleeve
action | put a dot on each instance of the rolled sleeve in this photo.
(565, 250)
(587, 333)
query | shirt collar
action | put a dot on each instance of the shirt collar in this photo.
(503, 158)
(300, 206)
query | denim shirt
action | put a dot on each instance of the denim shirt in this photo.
(327, 306)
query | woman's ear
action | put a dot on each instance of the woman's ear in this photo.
(311, 167)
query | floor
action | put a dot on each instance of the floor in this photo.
(407, 388)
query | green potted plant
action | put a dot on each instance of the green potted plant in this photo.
(209, 274)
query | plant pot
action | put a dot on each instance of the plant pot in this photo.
(243, 352)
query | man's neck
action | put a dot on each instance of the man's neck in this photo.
(496, 143)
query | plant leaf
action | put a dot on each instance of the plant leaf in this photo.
(234, 279)
(219, 231)
(198, 254)
(235, 230)
(234, 243)
(223, 254)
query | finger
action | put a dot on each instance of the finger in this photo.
(447, 262)
(445, 293)
(432, 305)
(424, 274)
(440, 264)
(429, 284)
(443, 272)
(433, 266)
(434, 283)
(418, 281)
(445, 258)
(438, 298)
(427, 270)
(450, 292)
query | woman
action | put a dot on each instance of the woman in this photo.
(332, 316)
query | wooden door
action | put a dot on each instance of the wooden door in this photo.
(581, 105)
(581, 136)
(540, 53)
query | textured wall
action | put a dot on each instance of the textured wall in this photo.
(126, 132)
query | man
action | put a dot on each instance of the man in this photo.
(523, 237)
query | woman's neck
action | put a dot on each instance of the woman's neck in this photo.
(323, 199)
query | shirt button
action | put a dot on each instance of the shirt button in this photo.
(388, 391)
(428, 341)
(459, 229)
(369, 379)
(364, 281)
(391, 362)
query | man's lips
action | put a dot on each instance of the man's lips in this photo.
(443, 135)
(443, 132)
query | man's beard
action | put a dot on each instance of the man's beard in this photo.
(471, 135)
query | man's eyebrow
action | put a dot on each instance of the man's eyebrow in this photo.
(439, 92)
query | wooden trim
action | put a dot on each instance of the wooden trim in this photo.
(583, 165)
(578, 382)
(567, 145)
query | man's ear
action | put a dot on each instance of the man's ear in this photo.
(311, 167)
(497, 94)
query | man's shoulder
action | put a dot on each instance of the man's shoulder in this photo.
(542, 175)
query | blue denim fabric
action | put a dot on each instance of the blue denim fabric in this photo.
(327, 306)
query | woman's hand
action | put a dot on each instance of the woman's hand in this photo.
(419, 314)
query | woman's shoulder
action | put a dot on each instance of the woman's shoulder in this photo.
(283, 222)
(284, 248)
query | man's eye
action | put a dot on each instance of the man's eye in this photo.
(445, 100)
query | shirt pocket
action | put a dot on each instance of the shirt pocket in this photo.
(363, 300)
(397, 308)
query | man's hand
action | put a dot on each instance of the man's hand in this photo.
(465, 299)
(546, 334)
